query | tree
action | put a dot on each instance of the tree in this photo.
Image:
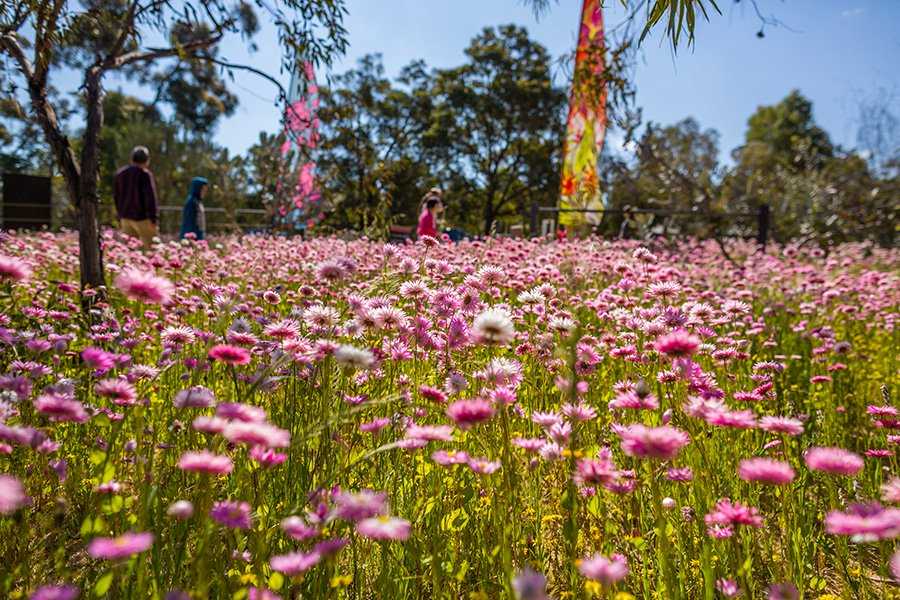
(371, 159)
(497, 126)
(676, 169)
(790, 133)
(105, 37)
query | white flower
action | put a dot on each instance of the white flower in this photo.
(494, 326)
(354, 357)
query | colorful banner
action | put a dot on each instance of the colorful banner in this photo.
(586, 125)
(299, 198)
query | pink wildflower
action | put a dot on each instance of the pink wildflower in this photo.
(120, 391)
(295, 562)
(12, 494)
(257, 434)
(607, 571)
(865, 522)
(677, 344)
(120, 547)
(145, 287)
(195, 397)
(766, 470)
(784, 425)
(205, 462)
(360, 505)
(833, 460)
(384, 528)
(230, 355)
(466, 413)
(726, 514)
(653, 442)
(231, 514)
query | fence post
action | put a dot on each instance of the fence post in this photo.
(762, 224)
(534, 220)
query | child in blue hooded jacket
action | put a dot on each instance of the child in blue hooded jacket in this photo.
(193, 216)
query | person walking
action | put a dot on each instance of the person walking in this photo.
(432, 207)
(134, 192)
(193, 216)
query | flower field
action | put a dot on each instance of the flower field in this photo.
(270, 418)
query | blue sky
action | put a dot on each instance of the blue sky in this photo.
(834, 51)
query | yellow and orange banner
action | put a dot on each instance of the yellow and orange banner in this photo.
(586, 125)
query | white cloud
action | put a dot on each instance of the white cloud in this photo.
(852, 12)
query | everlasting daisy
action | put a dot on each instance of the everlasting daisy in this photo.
(865, 522)
(298, 529)
(120, 547)
(784, 425)
(195, 397)
(295, 562)
(430, 433)
(530, 585)
(230, 355)
(494, 326)
(653, 442)
(766, 470)
(12, 494)
(55, 592)
(677, 344)
(833, 460)
(607, 571)
(13, 269)
(205, 462)
(384, 528)
(257, 434)
(360, 505)
(466, 413)
(120, 391)
(145, 287)
(355, 358)
(232, 514)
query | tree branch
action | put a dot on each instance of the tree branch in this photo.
(157, 53)
(10, 42)
(127, 28)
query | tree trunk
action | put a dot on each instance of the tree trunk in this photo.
(58, 141)
(489, 215)
(81, 183)
(90, 252)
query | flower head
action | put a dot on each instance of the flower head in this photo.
(55, 592)
(677, 344)
(205, 462)
(232, 514)
(833, 460)
(766, 470)
(466, 413)
(12, 494)
(384, 528)
(230, 355)
(295, 562)
(653, 442)
(607, 571)
(120, 547)
(145, 287)
(494, 326)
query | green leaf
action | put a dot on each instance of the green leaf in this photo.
(86, 526)
(109, 473)
(103, 584)
(97, 457)
(463, 569)
(276, 581)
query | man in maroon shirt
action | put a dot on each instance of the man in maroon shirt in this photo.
(134, 192)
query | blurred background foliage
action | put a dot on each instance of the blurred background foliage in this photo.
(489, 132)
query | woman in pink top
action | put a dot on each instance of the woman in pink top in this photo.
(431, 208)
